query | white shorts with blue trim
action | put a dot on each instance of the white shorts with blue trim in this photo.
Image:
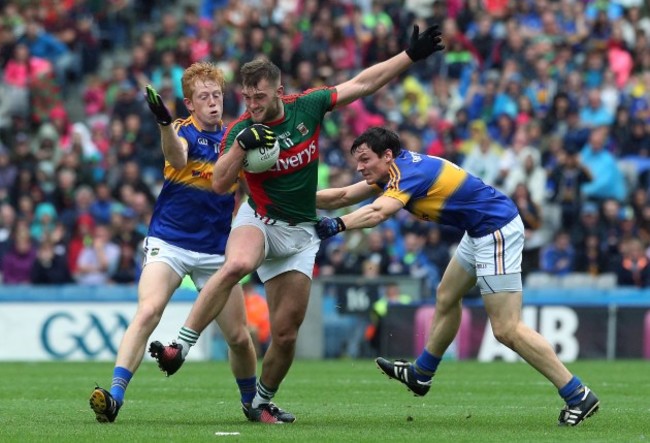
(495, 259)
(198, 265)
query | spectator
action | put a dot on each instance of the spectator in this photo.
(17, 263)
(128, 268)
(437, 249)
(542, 88)
(8, 173)
(555, 120)
(483, 160)
(575, 135)
(531, 175)
(634, 268)
(607, 178)
(45, 218)
(417, 264)
(643, 219)
(168, 34)
(376, 251)
(519, 164)
(595, 114)
(589, 223)
(635, 141)
(531, 216)
(391, 295)
(339, 262)
(98, 259)
(169, 72)
(83, 198)
(50, 268)
(7, 222)
(611, 230)
(81, 236)
(415, 102)
(131, 175)
(566, 181)
(47, 46)
(124, 223)
(558, 258)
(100, 208)
(20, 74)
(590, 258)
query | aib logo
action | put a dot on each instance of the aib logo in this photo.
(64, 334)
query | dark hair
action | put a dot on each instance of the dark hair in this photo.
(378, 140)
(257, 70)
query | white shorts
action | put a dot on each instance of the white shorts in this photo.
(286, 247)
(198, 265)
(495, 259)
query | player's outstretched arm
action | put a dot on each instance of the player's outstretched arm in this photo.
(367, 216)
(174, 149)
(371, 79)
(334, 198)
(371, 215)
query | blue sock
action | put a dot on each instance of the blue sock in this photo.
(247, 389)
(572, 391)
(426, 365)
(121, 379)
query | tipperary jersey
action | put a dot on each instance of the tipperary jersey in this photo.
(287, 191)
(188, 214)
(437, 190)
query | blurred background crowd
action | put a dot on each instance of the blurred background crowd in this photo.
(549, 101)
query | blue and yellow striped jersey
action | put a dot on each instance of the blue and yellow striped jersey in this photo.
(188, 214)
(437, 190)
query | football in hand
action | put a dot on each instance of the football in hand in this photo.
(261, 159)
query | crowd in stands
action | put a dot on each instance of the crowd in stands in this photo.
(546, 100)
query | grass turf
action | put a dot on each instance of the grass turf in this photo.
(335, 401)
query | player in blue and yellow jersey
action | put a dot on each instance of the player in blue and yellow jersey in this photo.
(489, 255)
(274, 232)
(187, 236)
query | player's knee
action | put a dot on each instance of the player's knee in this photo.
(504, 334)
(285, 338)
(147, 316)
(238, 267)
(240, 341)
(445, 301)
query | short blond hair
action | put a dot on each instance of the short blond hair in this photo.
(201, 71)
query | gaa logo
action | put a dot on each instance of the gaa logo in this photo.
(63, 335)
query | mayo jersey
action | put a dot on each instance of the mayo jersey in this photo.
(287, 191)
(437, 190)
(188, 213)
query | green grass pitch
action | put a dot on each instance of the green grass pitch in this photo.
(335, 401)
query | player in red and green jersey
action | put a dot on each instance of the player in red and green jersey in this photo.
(287, 191)
(274, 232)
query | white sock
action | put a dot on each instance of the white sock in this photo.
(187, 337)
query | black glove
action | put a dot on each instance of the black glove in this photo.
(329, 227)
(163, 116)
(424, 45)
(256, 136)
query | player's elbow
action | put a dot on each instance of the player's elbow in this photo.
(378, 217)
(221, 186)
(177, 163)
(327, 204)
(329, 200)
